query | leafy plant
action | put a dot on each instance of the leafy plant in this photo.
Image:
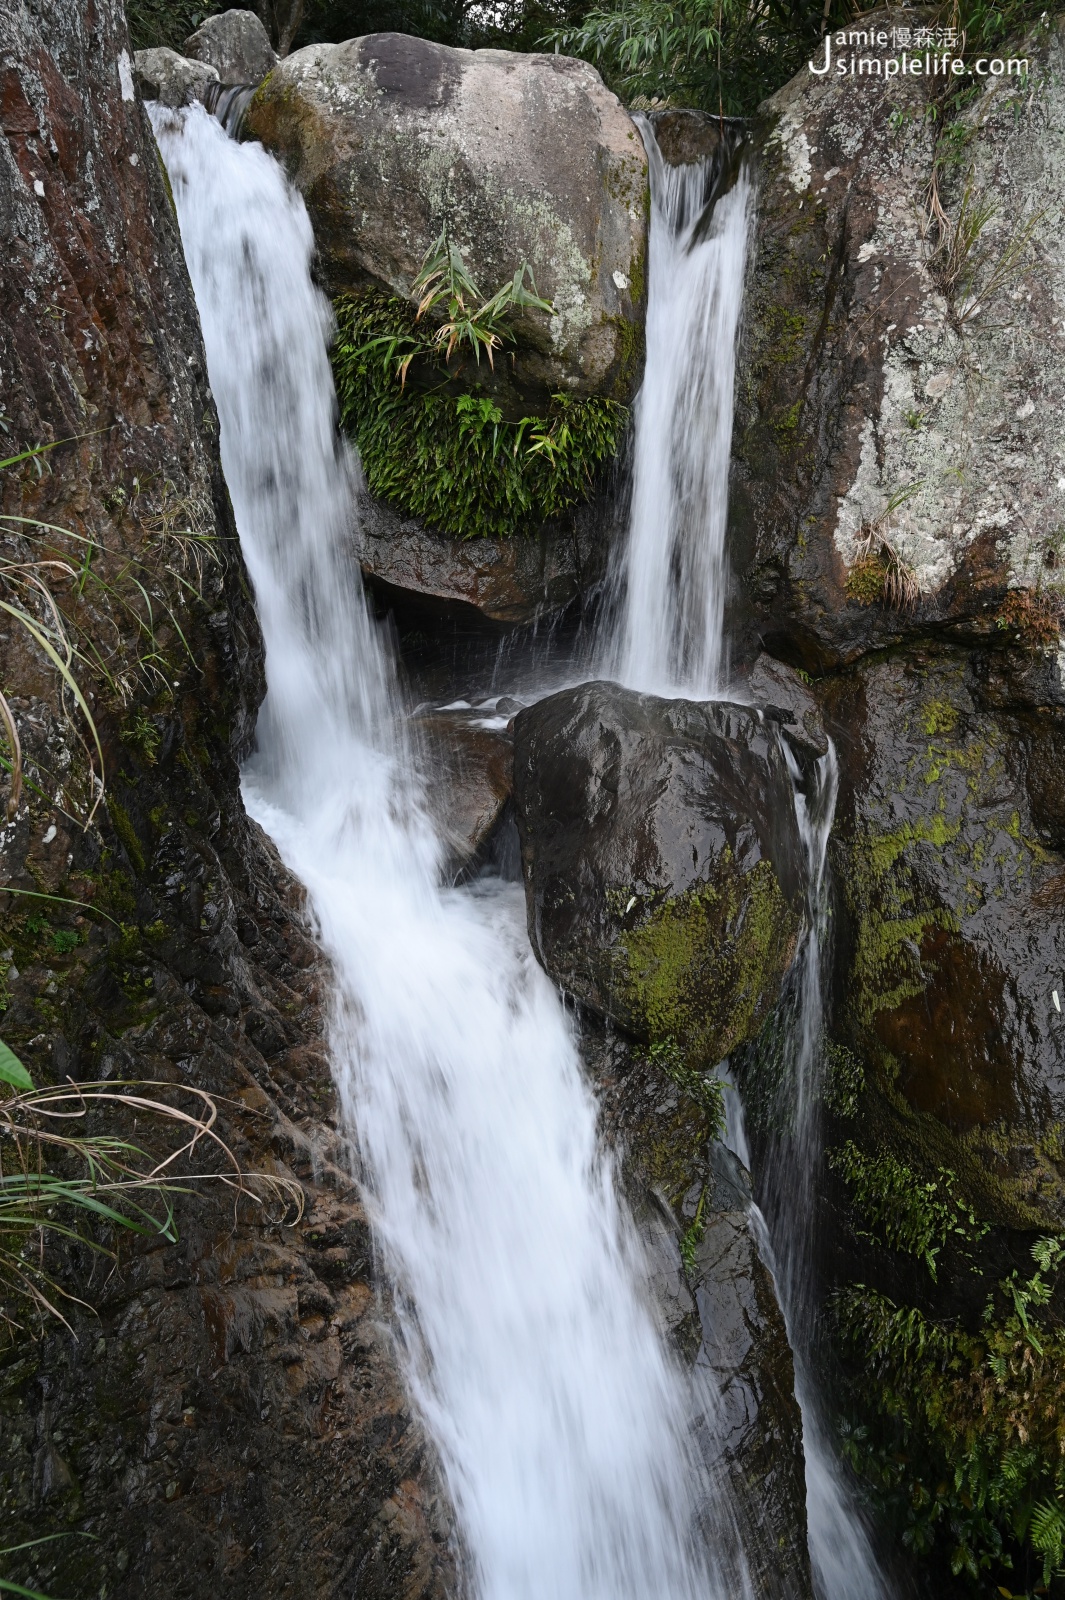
(444, 281)
(902, 1212)
(454, 460)
(970, 271)
(55, 1182)
(706, 1090)
(721, 56)
(960, 1433)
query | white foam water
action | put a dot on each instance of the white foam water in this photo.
(560, 1419)
(665, 631)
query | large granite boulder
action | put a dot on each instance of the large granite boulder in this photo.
(899, 465)
(236, 44)
(523, 158)
(173, 79)
(662, 861)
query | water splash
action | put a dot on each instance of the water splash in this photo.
(664, 628)
(561, 1422)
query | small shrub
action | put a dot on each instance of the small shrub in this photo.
(902, 1211)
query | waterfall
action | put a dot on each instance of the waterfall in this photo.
(530, 1347)
(665, 623)
(841, 1556)
(664, 632)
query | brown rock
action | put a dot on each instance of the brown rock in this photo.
(472, 778)
(234, 1419)
(505, 582)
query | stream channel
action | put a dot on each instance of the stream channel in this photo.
(561, 1417)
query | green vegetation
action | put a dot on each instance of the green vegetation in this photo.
(703, 1088)
(449, 458)
(167, 22)
(704, 965)
(964, 1437)
(62, 1177)
(905, 1213)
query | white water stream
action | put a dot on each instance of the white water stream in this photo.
(561, 1422)
(665, 628)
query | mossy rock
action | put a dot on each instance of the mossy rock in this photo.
(662, 862)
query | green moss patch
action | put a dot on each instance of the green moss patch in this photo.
(703, 969)
(451, 458)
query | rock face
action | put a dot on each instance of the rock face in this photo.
(236, 44)
(661, 861)
(163, 75)
(756, 1431)
(720, 1312)
(158, 1429)
(522, 158)
(899, 463)
(505, 583)
(952, 944)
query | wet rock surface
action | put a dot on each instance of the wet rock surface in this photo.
(523, 158)
(952, 940)
(661, 861)
(470, 778)
(754, 1434)
(898, 463)
(504, 583)
(233, 1415)
(721, 1312)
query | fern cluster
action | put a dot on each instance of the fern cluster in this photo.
(452, 459)
(906, 1214)
(967, 1435)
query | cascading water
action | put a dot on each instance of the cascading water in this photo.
(664, 634)
(664, 631)
(561, 1422)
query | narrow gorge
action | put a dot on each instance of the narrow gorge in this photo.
(533, 705)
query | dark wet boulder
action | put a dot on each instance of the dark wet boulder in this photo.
(236, 44)
(754, 1433)
(504, 583)
(782, 692)
(714, 1296)
(661, 861)
(522, 158)
(898, 464)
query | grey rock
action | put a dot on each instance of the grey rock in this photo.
(523, 158)
(235, 44)
(778, 688)
(174, 81)
(506, 582)
(753, 1433)
(888, 421)
(661, 859)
